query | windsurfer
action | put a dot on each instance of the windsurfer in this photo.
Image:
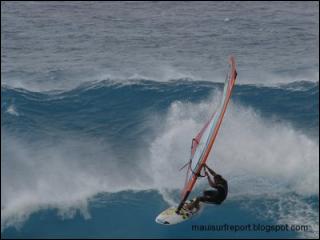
(213, 196)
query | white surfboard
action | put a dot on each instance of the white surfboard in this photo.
(170, 217)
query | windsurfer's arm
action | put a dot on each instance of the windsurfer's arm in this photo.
(213, 173)
(211, 183)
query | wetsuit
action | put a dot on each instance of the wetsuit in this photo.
(218, 195)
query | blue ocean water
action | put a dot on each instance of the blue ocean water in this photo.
(100, 101)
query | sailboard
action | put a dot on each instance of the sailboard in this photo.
(200, 149)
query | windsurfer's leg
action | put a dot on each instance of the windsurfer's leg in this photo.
(211, 196)
(194, 203)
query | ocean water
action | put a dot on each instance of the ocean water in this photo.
(100, 101)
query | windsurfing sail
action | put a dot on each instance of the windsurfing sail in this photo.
(202, 144)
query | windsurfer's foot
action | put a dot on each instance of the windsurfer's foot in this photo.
(189, 206)
(193, 205)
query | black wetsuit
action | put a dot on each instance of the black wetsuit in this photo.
(218, 195)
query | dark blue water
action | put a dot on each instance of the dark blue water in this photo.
(101, 225)
(99, 103)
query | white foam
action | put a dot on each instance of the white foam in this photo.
(247, 146)
(260, 158)
(62, 174)
(12, 110)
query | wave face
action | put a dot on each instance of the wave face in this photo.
(100, 101)
(61, 150)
